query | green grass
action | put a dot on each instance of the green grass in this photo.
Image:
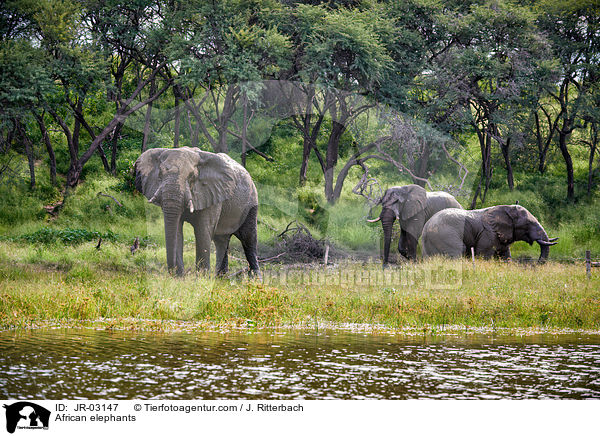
(78, 285)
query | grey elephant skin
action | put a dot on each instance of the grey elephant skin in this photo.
(489, 231)
(412, 206)
(212, 192)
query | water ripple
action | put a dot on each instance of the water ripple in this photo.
(71, 364)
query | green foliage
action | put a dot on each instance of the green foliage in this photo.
(47, 235)
(342, 47)
(312, 209)
(18, 206)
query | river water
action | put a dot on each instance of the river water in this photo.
(295, 364)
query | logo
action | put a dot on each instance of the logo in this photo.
(26, 415)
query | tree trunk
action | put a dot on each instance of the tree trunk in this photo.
(593, 147)
(306, 147)
(485, 141)
(543, 145)
(331, 158)
(563, 135)
(29, 152)
(422, 165)
(222, 142)
(177, 120)
(244, 130)
(505, 146)
(49, 148)
(148, 118)
(114, 148)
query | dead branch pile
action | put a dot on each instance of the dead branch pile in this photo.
(297, 244)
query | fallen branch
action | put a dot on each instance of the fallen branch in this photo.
(273, 229)
(273, 257)
(109, 196)
(237, 273)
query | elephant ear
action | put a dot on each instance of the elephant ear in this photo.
(216, 181)
(415, 201)
(147, 168)
(502, 220)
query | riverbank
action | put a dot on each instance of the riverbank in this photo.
(80, 286)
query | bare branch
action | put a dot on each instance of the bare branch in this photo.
(109, 196)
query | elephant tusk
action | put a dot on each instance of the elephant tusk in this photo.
(191, 206)
(539, 241)
(374, 220)
(553, 239)
(153, 199)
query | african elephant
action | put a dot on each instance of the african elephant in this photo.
(489, 231)
(412, 205)
(212, 192)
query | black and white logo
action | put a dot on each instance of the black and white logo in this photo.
(26, 415)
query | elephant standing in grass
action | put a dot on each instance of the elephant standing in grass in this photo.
(212, 192)
(412, 205)
(489, 231)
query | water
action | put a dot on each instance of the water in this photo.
(294, 364)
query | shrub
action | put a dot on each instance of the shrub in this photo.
(47, 235)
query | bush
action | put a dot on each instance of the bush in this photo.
(47, 235)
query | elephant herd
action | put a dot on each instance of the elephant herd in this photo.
(447, 229)
(218, 198)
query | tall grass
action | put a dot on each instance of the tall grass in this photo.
(81, 285)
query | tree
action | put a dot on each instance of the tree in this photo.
(573, 27)
(23, 81)
(225, 46)
(483, 73)
(80, 45)
(340, 53)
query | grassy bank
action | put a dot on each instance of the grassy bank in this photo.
(79, 285)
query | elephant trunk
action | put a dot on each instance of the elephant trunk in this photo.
(172, 206)
(544, 252)
(387, 222)
(545, 243)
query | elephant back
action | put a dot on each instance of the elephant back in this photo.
(440, 200)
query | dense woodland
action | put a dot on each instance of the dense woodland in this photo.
(463, 96)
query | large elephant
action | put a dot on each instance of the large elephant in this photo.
(489, 231)
(412, 205)
(212, 192)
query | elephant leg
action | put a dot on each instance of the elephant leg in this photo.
(407, 246)
(402, 243)
(486, 248)
(249, 239)
(222, 246)
(412, 230)
(203, 239)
